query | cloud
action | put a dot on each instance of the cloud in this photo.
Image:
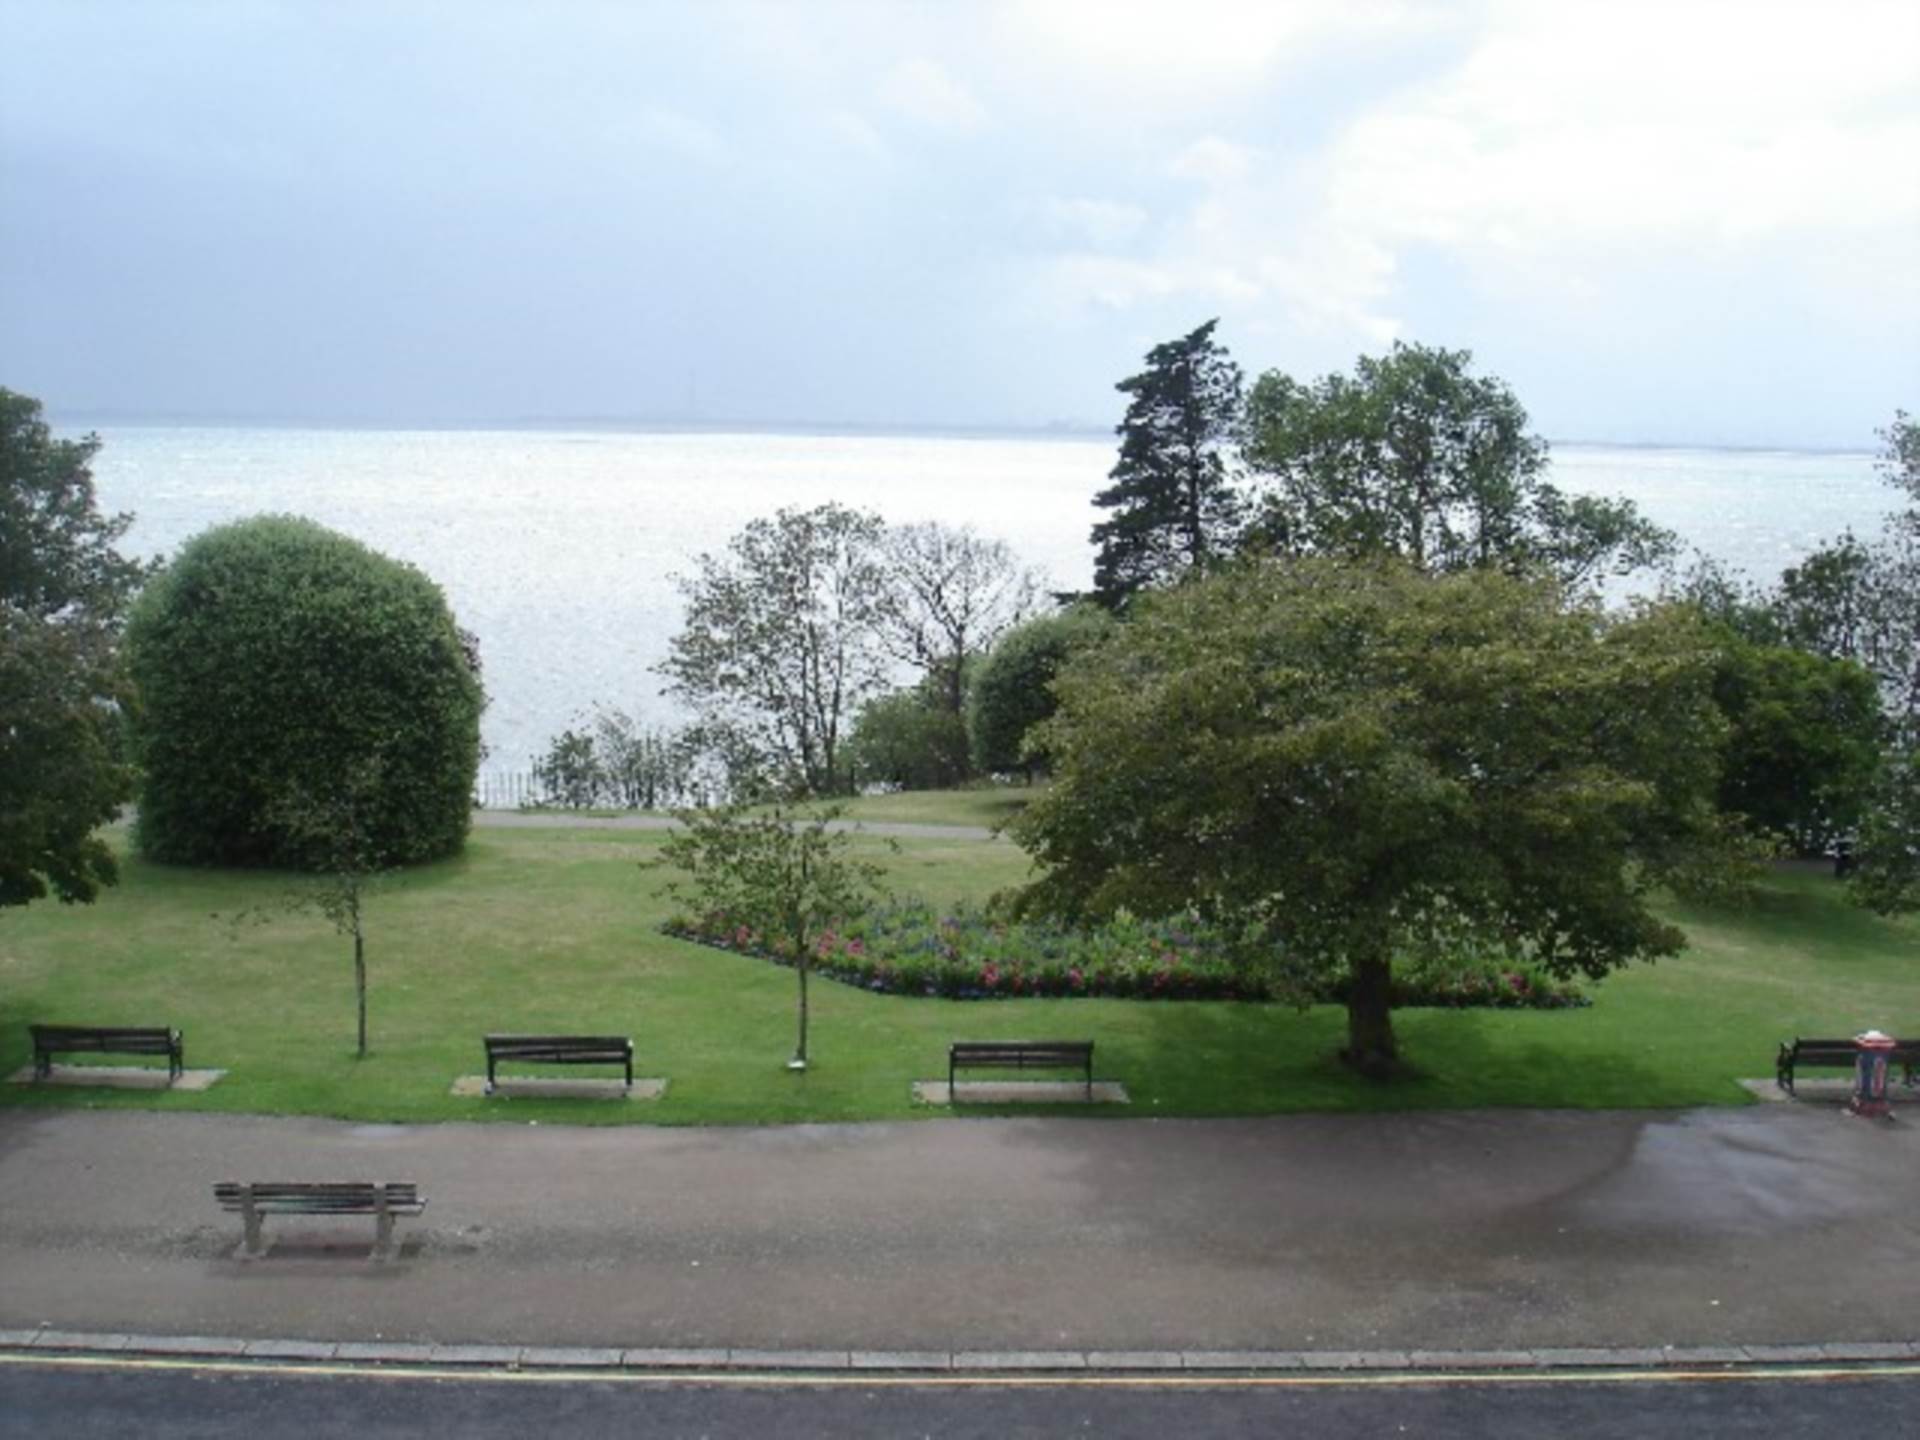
(1561, 152)
(1149, 47)
(1094, 224)
(671, 131)
(924, 93)
(1213, 161)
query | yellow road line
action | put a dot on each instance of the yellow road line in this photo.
(1184, 1380)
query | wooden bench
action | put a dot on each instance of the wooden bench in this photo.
(560, 1050)
(1018, 1055)
(1839, 1055)
(51, 1040)
(255, 1201)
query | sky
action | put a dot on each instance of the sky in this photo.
(1668, 222)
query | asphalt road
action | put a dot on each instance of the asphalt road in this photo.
(111, 1401)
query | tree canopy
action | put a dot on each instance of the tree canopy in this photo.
(64, 591)
(1012, 690)
(1803, 741)
(1416, 457)
(1349, 763)
(1174, 508)
(950, 593)
(272, 657)
(781, 640)
(785, 875)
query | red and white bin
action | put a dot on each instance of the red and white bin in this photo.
(1870, 1067)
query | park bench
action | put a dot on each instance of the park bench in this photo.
(254, 1202)
(1840, 1055)
(1018, 1055)
(560, 1050)
(51, 1040)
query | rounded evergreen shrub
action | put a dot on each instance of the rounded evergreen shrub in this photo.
(278, 665)
(1012, 690)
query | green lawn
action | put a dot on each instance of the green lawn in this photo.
(557, 930)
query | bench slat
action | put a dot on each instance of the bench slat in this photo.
(354, 1197)
(559, 1050)
(1019, 1055)
(51, 1040)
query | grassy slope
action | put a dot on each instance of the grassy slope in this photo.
(541, 930)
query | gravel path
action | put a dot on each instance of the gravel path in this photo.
(547, 820)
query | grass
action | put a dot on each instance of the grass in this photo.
(557, 929)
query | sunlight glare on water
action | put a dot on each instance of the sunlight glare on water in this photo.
(557, 548)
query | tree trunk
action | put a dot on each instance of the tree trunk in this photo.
(800, 1051)
(360, 985)
(1371, 1048)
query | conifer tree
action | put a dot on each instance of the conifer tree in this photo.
(1173, 505)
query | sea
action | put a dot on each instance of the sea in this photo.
(560, 548)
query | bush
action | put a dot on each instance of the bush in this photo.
(570, 775)
(908, 741)
(1013, 690)
(273, 657)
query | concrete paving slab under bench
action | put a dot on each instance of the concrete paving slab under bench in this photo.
(474, 1087)
(1021, 1092)
(117, 1077)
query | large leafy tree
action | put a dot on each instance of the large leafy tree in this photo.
(781, 641)
(950, 593)
(1803, 741)
(1174, 507)
(1857, 601)
(273, 656)
(1415, 456)
(64, 590)
(1351, 763)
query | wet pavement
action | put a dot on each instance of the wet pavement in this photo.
(1456, 1231)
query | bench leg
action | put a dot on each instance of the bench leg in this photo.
(43, 1064)
(250, 1246)
(382, 1228)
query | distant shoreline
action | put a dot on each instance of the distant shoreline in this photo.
(592, 425)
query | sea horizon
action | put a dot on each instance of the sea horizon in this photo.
(65, 420)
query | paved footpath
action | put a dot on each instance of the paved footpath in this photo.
(1732, 1234)
(558, 820)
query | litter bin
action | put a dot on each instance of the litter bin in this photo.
(1870, 1075)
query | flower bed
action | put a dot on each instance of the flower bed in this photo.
(908, 948)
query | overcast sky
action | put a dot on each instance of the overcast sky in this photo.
(1671, 221)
